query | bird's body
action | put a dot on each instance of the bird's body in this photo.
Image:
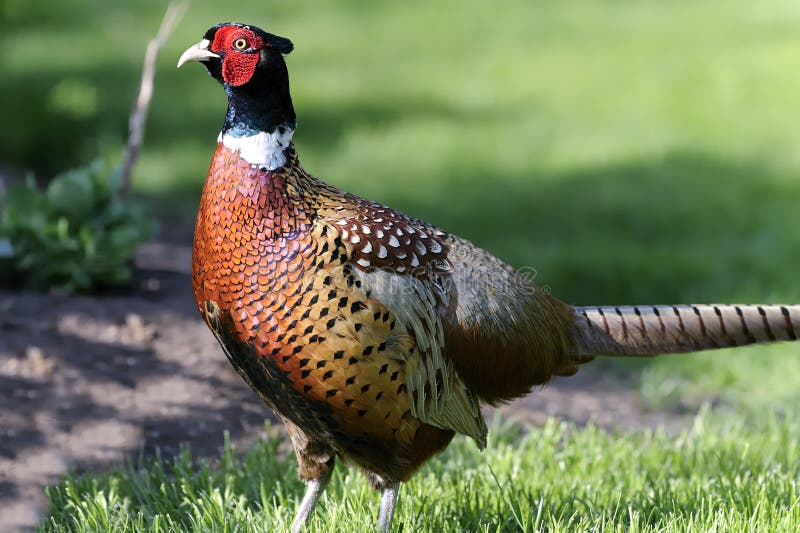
(336, 309)
(375, 336)
(297, 320)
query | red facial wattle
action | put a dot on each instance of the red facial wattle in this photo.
(238, 66)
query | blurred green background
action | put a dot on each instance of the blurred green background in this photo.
(632, 152)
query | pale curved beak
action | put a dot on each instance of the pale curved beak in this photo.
(198, 52)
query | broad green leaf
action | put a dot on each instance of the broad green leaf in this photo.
(72, 193)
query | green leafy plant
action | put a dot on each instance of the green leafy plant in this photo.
(80, 233)
(77, 234)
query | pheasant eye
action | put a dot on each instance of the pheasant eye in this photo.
(240, 44)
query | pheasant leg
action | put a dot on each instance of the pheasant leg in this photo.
(314, 489)
(388, 503)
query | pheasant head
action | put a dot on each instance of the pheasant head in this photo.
(249, 64)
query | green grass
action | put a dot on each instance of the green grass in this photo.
(713, 476)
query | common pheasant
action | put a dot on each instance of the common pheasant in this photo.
(375, 336)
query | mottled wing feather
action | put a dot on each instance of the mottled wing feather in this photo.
(403, 263)
(379, 237)
(439, 396)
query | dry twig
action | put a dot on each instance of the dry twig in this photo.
(173, 15)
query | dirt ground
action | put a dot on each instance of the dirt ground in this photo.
(89, 382)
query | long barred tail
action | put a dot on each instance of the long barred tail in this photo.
(663, 329)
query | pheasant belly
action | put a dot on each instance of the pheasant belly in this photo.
(277, 290)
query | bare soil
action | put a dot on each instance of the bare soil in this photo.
(87, 382)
